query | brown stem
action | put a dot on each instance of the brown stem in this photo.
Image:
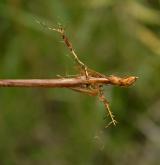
(66, 82)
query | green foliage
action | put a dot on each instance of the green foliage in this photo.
(59, 126)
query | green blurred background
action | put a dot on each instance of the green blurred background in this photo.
(63, 127)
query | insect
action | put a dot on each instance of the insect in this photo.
(92, 89)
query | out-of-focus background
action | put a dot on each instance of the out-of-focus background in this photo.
(63, 127)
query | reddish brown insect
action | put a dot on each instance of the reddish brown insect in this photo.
(94, 89)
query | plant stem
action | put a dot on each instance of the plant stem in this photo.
(66, 82)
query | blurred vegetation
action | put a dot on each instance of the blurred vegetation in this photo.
(59, 126)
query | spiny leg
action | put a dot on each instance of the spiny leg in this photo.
(61, 31)
(106, 104)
